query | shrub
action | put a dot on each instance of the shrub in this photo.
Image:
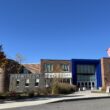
(5, 94)
(13, 94)
(42, 91)
(103, 89)
(2, 94)
(31, 94)
(55, 88)
(62, 88)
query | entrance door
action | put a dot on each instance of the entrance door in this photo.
(88, 85)
(86, 75)
(87, 81)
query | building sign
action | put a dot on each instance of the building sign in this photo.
(108, 52)
(58, 75)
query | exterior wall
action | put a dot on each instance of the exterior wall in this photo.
(1, 83)
(4, 81)
(87, 61)
(105, 67)
(1, 80)
(10, 67)
(65, 76)
(56, 65)
(102, 74)
(22, 78)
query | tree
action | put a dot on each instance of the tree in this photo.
(3, 60)
(19, 58)
(8, 65)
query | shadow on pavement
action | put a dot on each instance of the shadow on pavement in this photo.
(37, 98)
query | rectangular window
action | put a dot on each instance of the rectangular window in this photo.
(27, 83)
(36, 82)
(48, 68)
(17, 82)
(85, 69)
(65, 67)
(81, 68)
(25, 71)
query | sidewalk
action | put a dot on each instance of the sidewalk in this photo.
(72, 97)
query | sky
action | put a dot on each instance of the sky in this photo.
(55, 29)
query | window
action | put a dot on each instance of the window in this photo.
(25, 71)
(17, 82)
(65, 67)
(48, 68)
(37, 82)
(78, 68)
(27, 83)
(85, 69)
(68, 80)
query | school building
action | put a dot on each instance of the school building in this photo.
(88, 73)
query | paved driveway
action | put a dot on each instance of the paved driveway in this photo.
(98, 104)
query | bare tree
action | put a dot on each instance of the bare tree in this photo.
(19, 58)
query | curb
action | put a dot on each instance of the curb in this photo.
(55, 100)
(80, 99)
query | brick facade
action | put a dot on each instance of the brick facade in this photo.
(58, 71)
(40, 68)
(56, 65)
(105, 69)
(1, 83)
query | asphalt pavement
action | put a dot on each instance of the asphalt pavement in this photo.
(78, 96)
(96, 104)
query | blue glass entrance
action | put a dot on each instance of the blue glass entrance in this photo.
(86, 73)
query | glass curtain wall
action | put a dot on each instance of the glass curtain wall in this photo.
(86, 76)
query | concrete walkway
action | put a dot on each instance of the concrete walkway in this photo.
(76, 96)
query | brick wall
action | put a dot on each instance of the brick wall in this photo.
(1, 83)
(1, 80)
(105, 68)
(56, 65)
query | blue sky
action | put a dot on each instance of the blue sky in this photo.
(55, 29)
